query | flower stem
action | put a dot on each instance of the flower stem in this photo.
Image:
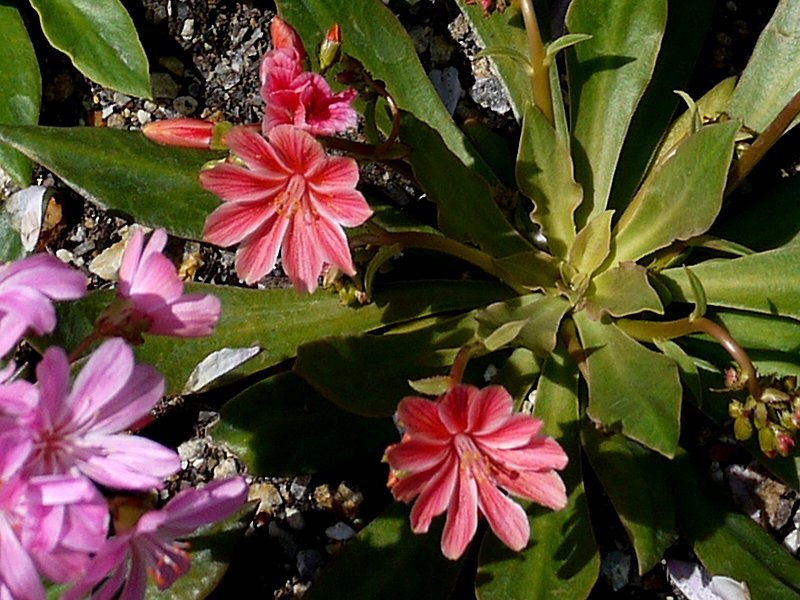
(460, 363)
(648, 331)
(540, 79)
(84, 345)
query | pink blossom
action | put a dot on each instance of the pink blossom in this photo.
(296, 97)
(149, 546)
(27, 290)
(78, 430)
(290, 197)
(456, 455)
(150, 296)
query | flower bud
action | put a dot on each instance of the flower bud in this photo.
(783, 443)
(184, 133)
(742, 428)
(284, 36)
(331, 46)
(766, 440)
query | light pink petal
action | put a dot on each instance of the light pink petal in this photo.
(15, 447)
(194, 507)
(130, 260)
(453, 407)
(262, 157)
(462, 518)
(17, 571)
(30, 308)
(53, 376)
(258, 253)
(112, 556)
(334, 245)
(12, 330)
(506, 518)
(156, 282)
(345, 206)
(232, 223)
(283, 107)
(302, 254)
(420, 417)
(544, 488)
(407, 487)
(541, 454)
(518, 430)
(46, 274)
(326, 113)
(416, 455)
(136, 585)
(126, 462)
(434, 497)
(233, 183)
(136, 399)
(490, 409)
(155, 245)
(106, 372)
(194, 315)
(298, 150)
(333, 175)
(279, 68)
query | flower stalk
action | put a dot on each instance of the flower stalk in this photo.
(540, 80)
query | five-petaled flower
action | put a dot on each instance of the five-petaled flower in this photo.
(459, 450)
(291, 197)
(149, 544)
(293, 96)
(150, 296)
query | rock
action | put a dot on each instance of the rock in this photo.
(116, 121)
(163, 86)
(323, 497)
(615, 569)
(268, 496)
(225, 469)
(447, 86)
(299, 486)
(295, 519)
(187, 31)
(341, 532)
(349, 500)
(309, 563)
(185, 105)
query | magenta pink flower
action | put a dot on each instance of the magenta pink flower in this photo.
(27, 290)
(150, 296)
(296, 97)
(290, 197)
(78, 430)
(150, 546)
(456, 454)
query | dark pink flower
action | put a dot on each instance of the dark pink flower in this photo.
(458, 452)
(293, 96)
(290, 197)
(78, 430)
(150, 546)
(151, 299)
(27, 290)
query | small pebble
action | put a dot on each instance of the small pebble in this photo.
(143, 116)
(185, 105)
(299, 486)
(116, 121)
(163, 85)
(309, 563)
(187, 31)
(340, 532)
(225, 469)
(295, 519)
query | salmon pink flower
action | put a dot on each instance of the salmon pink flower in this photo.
(77, 431)
(150, 296)
(290, 197)
(27, 290)
(456, 455)
(150, 546)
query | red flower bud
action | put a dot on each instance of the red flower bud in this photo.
(185, 133)
(284, 36)
(331, 45)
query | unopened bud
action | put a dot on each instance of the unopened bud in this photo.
(331, 47)
(742, 428)
(766, 440)
(184, 133)
(284, 36)
(783, 443)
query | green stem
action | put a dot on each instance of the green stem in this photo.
(569, 334)
(648, 331)
(540, 79)
(460, 363)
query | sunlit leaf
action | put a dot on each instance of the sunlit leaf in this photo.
(537, 318)
(688, 369)
(564, 42)
(592, 244)
(623, 290)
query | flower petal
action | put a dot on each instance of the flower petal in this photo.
(416, 455)
(453, 407)
(194, 315)
(44, 273)
(130, 260)
(235, 221)
(462, 518)
(126, 462)
(434, 497)
(334, 245)
(420, 418)
(517, 431)
(17, 571)
(541, 454)
(194, 507)
(258, 253)
(235, 184)
(137, 398)
(302, 255)
(298, 150)
(506, 518)
(545, 488)
(106, 372)
(490, 409)
(259, 155)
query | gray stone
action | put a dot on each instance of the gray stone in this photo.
(309, 563)
(163, 85)
(340, 532)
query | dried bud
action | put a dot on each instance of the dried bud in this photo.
(184, 133)
(331, 47)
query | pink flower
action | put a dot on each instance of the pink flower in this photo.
(150, 546)
(27, 290)
(150, 296)
(290, 197)
(78, 430)
(459, 450)
(296, 97)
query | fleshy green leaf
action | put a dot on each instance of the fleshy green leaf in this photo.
(278, 321)
(608, 75)
(518, 374)
(388, 561)
(728, 542)
(564, 42)
(20, 89)
(689, 373)
(763, 90)
(698, 295)
(631, 389)
(623, 290)
(768, 282)
(635, 480)
(368, 374)
(281, 426)
(100, 40)
(503, 335)
(545, 174)
(681, 199)
(123, 171)
(431, 386)
(592, 244)
(532, 270)
(10, 242)
(561, 560)
(374, 36)
(537, 317)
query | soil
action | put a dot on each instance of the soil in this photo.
(204, 57)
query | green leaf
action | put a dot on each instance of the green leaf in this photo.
(688, 22)
(432, 386)
(123, 171)
(635, 480)
(494, 147)
(767, 282)
(388, 561)
(545, 174)
(533, 270)
(374, 36)
(10, 241)
(564, 42)
(623, 290)
(681, 199)
(536, 318)
(592, 244)
(518, 374)
(211, 549)
(763, 90)
(688, 370)
(368, 374)
(281, 426)
(561, 560)
(506, 52)
(608, 76)
(503, 335)
(631, 389)
(505, 30)
(100, 40)
(20, 89)
(698, 295)
(278, 321)
(467, 208)
(728, 542)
